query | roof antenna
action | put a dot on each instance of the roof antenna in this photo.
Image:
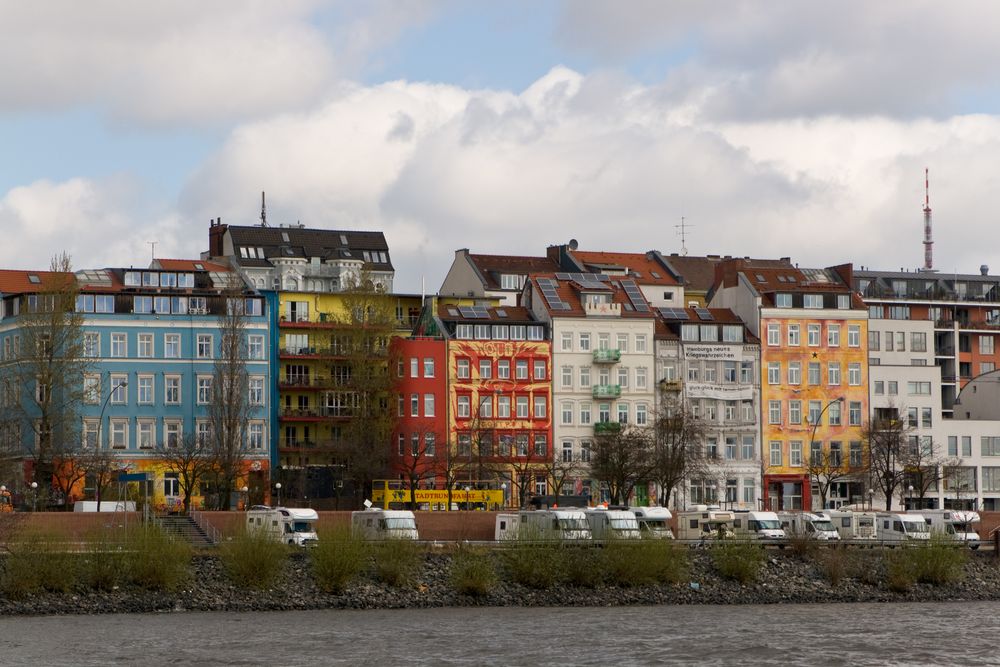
(683, 227)
(263, 211)
(152, 249)
(928, 242)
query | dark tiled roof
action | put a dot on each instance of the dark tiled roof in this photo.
(299, 242)
(698, 273)
(490, 267)
(668, 328)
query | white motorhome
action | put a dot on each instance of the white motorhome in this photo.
(852, 525)
(654, 522)
(807, 524)
(375, 523)
(758, 525)
(959, 525)
(704, 523)
(893, 527)
(553, 524)
(291, 525)
(612, 524)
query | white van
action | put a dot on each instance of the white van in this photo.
(893, 527)
(758, 525)
(547, 525)
(375, 523)
(704, 523)
(654, 522)
(807, 524)
(612, 524)
(959, 525)
(291, 525)
(852, 525)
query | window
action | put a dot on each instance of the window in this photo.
(119, 433)
(814, 371)
(774, 372)
(566, 342)
(118, 389)
(812, 335)
(732, 333)
(640, 343)
(794, 412)
(428, 405)
(255, 393)
(815, 408)
(567, 412)
(603, 341)
(730, 411)
(584, 377)
(255, 435)
(255, 347)
(853, 335)
(585, 342)
(204, 346)
(640, 378)
(985, 344)
(119, 346)
(746, 372)
(918, 388)
(503, 369)
(833, 414)
(836, 454)
(774, 412)
(833, 373)
(854, 413)
(429, 441)
(775, 453)
(462, 369)
(142, 304)
(91, 345)
(172, 389)
(463, 332)
(623, 377)
(794, 372)
(521, 406)
(793, 335)
(144, 391)
(900, 341)
(540, 369)
(622, 341)
(833, 335)
(145, 433)
(567, 376)
(925, 417)
(711, 411)
(414, 367)
(541, 409)
(783, 300)
(812, 300)
(90, 431)
(204, 389)
(879, 387)
(641, 415)
(966, 445)
(464, 403)
(984, 366)
(503, 407)
(709, 372)
(567, 451)
(918, 341)
(854, 454)
(510, 281)
(854, 373)
(521, 369)
(485, 369)
(730, 448)
(603, 412)
(521, 443)
(689, 332)
(749, 491)
(729, 371)
(748, 412)
(91, 390)
(990, 445)
(773, 334)
(874, 342)
(795, 453)
(414, 405)
(585, 414)
(893, 388)
(889, 341)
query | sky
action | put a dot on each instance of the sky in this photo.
(772, 128)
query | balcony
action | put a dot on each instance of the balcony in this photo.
(328, 351)
(607, 428)
(302, 444)
(607, 356)
(671, 385)
(607, 390)
(315, 413)
(303, 382)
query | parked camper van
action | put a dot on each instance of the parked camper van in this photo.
(807, 524)
(758, 525)
(852, 525)
(375, 523)
(612, 524)
(555, 525)
(894, 527)
(704, 523)
(291, 525)
(960, 525)
(654, 522)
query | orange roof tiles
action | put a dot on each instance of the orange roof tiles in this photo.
(570, 293)
(189, 265)
(642, 266)
(15, 281)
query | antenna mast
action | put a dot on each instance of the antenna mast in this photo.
(683, 234)
(928, 242)
(263, 211)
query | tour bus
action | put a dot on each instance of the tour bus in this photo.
(893, 527)
(291, 525)
(375, 523)
(654, 522)
(704, 523)
(612, 524)
(757, 525)
(852, 525)
(807, 524)
(569, 524)
(960, 525)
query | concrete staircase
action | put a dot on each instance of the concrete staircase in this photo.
(185, 528)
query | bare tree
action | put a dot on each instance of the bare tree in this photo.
(678, 453)
(622, 460)
(887, 437)
(68, 470)
(229, 410)
(559, 472)
(43, 382)
(101, 467)
(418, 460)
(926, 467)
(190, 461)
(826, 466)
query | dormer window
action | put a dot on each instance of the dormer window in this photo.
(783, 300)
(596, 299)
(812, 300)
(511, 281)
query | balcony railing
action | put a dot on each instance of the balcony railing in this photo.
(316, 351)
(607, 390)
(602, 428)
(607, 356)
(316, 412)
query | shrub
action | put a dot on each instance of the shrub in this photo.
(252, 559)
(104, 563)
(582, 566)
(643, 563)
(899, 570)
(38, 562)
(940, 562)
(472, 571)
(802, 546)
(337, 559)
(155, 560)
(396, 561)
(740, 560)
(834, 565)
(536, 565)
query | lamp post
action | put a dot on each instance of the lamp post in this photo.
(812, 438)
(467, 487)
(277, 487)
(871, 498)
(246, 497)
(503, 489)
(909, 499)
(34, 496)
(100, 421)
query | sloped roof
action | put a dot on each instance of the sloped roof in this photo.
(643, 268)
(668, 326)
(570, 293)
(698, 273)
(190, 265)
(15, 281)
(498, 314)
(300, 242)
(491, 267)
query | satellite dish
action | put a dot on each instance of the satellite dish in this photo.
(573, 245)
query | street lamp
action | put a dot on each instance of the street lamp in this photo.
(909, 502)
(812, 436)
(277, 487)
(871, 498)
(246, 497)
(503, 489)
(100, 421)
(467, 487)
(34, 496)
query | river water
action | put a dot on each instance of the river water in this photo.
(830, 634)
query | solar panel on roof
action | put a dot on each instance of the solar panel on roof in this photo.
(500, 312)
(563, 276)
(635, 296)
(628, 307)
(673, 313)
(548, 289)
(655, 274)
(761, 278)
(453, 312)
(704, 314)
